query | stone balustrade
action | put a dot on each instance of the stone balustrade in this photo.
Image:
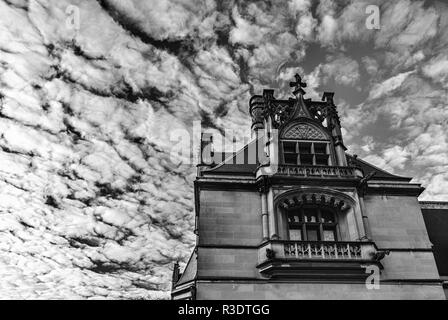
(320, 250)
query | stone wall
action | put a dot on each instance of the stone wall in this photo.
(323, 291)
(230, 230)
(229, 218)
(397, 222)
(227, 262)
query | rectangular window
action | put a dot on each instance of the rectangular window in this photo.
(321, 159)
(304, 148)
(306, 159)
(329, 235)
(289, 152)
(320, 148)
(289, 147)
(295, 234)
(312, 223)
(290, 158)
(312, 234)
(306, 153)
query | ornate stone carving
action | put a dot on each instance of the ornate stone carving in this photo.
(319, 198)
(282, 111)
(270, 254)
(317, 171)
(304, 131)
(324, 110)
(302, 113)
(263, 184)
(257, 111)
(380, 254)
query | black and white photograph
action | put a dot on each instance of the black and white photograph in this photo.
(223, 150)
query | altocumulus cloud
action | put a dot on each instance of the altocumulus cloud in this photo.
(92, 206)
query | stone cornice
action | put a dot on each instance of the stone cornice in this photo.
(389, 188)
(434, 204)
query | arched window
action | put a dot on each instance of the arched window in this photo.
(306, 144)
(312, 223)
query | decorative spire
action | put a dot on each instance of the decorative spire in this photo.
(298, 85)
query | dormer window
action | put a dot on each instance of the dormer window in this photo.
(306, 153)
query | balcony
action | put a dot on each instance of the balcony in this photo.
(318, 171)
(317, 259)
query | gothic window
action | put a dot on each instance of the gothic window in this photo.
(306, 153)
(312, 223)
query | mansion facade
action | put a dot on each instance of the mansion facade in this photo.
(293, 216)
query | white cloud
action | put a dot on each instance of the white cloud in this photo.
(299, 5)
(93, 207)
(437, 69)
(245, 32)
(370, 64)
(436, 187)
(369, 144)
(305, 27)
(327, 30)
(388, 85)
(343, 69)
(396, 156)
(166, 18)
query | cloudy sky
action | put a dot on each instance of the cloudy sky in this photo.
(92, 205)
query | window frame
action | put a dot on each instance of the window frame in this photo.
(303, 225)
(297, 154)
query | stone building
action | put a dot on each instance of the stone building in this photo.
(293, 216)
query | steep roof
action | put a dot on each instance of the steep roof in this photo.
(380, 174)
(190, 270)
(244, 161)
